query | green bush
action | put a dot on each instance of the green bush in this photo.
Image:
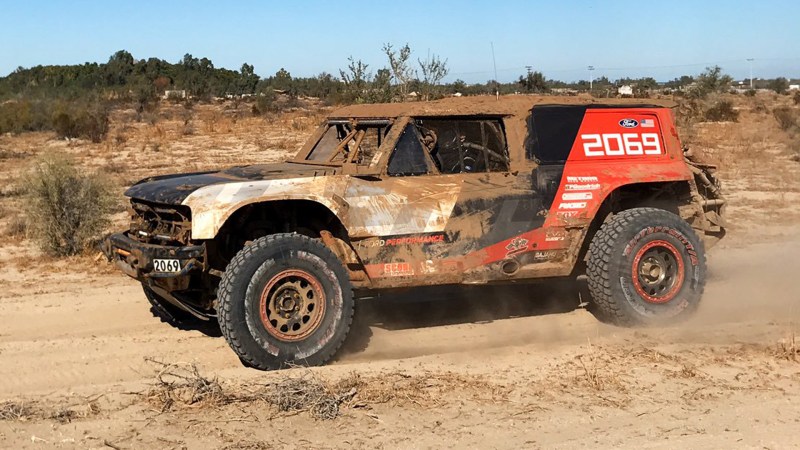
(67, 209)
(721, 111)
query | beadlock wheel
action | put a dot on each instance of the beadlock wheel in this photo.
(292, 305)
(658, 271)
(645, 266)
(285, 300)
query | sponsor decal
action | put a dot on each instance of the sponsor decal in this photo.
(555, 235)
(427, 267)
(582, 187)
(648, 123)
(580, 179)
(628, 123)
(516, 245)
(572, 205)
(397, 269)
(621, 144)
(414, 240)
(544, 255)
(570, 196)
(401, 240)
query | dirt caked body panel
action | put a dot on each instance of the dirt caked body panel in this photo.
(466, 227)
(452, 191)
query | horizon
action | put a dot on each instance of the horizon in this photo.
(627, 44)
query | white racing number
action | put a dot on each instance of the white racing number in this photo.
(167, 265)
(620, 144)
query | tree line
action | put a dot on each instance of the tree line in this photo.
(74, 99)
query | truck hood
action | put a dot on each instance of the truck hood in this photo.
(173, 189)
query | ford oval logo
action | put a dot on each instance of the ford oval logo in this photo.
(628, 123)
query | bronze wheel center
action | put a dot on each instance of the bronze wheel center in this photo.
(292, 305)
(658, 271)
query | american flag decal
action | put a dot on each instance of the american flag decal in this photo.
(647, 123)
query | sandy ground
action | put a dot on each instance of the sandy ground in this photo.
(484, 368)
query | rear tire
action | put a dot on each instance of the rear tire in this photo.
(646, 267)
(285, 299)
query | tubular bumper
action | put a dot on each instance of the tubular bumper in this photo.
(135, 258)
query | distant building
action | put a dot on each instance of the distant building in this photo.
(794, 87)
(174, 94)
(625, 90)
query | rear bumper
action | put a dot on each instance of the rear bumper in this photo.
(135, 258)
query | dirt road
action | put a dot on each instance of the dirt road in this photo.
(526, 370)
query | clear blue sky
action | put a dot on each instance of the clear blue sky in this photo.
(658, 38)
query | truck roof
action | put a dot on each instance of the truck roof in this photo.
(508, 105)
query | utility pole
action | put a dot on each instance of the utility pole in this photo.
(591, 77)
(750, 60)
(496, 83)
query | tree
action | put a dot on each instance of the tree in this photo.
(712, 80)
(247, 80)
(433, 72)
(643, 86)
(355, 81)
(458, 86)
(118, 68)
(282, 80)
(533, 82)
(398, 63)
(780, 85)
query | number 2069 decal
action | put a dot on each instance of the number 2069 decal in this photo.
(621, 144)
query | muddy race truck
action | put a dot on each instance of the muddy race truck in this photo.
(456, 191)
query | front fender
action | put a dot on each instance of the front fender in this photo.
(211, 206)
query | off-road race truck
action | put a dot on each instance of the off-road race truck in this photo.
(456, 191)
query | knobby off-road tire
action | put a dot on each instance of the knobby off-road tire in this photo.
(166, 311)
(285, 299)
(646, 266)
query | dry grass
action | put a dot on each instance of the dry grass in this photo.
(303, 390)
(182, 384)
(17, 411)
(27, 411)
(787, 349)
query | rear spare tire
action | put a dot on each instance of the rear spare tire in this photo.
(646, 266)
(285, 299)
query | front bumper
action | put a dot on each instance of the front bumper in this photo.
(135, 259)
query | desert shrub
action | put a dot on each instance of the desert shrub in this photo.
(786, 117)
(81, 120)
(267, 102)
(796, 97)
(760, 107)
(750, 92)
(794, 150)
(67, 208)
(17, 226)
(21, 116)
(721, 111)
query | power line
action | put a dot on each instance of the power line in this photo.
(580, 69)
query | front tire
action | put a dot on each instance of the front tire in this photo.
(167, 312)
(285, 299)
(646, 266)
